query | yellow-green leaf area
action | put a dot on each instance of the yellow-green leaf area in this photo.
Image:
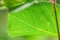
(38, 19)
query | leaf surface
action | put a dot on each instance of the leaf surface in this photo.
(38, 19)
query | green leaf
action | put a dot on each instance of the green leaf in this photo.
(13, 3)
(38, 19)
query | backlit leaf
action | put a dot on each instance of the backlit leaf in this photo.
(38, 19)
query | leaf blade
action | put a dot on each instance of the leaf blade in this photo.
(35, 20)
